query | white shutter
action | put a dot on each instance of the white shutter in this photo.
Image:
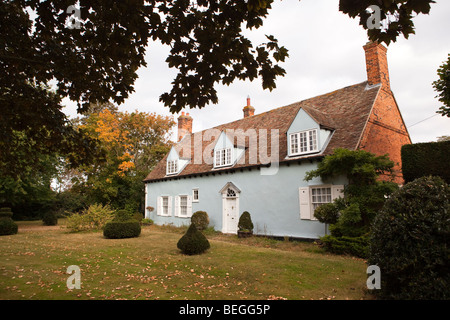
(337, 191)
(169, 209)
(177, 206)
(189, 206)
(305, 205)
(159, 206)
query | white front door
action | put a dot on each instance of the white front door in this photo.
(231, 215)
(230, 208)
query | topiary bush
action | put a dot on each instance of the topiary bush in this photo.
(327, 213)
(5, 212)
(200, 219)
(7, 225)
(410, 241)
(245, 222)
(122, 229)
(193, 241)
(50, 219)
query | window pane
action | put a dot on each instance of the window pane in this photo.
(195, 194)
(303, 142)
(312, 140)
(183, 205)
(218, 158)
(223, 161)
(294, 143)
(320, 196)
(165, 205)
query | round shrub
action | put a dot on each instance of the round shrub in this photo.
(245, 222)
(410, 241)
(193, 241)
(200, 219)
(50, 219)
(122, 229)
(7, 225)
(327, 213)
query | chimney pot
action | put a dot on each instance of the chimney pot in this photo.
(248, 109)
(184, 125)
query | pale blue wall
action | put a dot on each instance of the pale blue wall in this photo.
(272, 200)
(173, 155)
(302, 121)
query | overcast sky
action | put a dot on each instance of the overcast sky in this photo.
(325, 54)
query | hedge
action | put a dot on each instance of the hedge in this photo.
(425, 159)
(122, 229)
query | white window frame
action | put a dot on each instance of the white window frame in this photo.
(303, 142)
(178, 212)
(172, 166)
(320, 195)
(306, 199)
(223, 157)
(160, 211)
(195, 195)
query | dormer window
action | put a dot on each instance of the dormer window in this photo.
(222, 157)
(172, 166)
(303, 142)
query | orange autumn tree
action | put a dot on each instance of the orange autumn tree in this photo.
(132, 143)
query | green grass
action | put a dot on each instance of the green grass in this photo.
(34, 264)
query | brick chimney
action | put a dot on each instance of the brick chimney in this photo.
(248, 109)
(376, 64)
(184, 125)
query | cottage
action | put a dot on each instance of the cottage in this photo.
(258, 163)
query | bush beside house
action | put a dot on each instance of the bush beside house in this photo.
(350, 217)
(410, 241)
(245, 225)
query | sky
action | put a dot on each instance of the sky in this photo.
(325, 54)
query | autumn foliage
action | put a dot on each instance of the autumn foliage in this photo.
(132, 144)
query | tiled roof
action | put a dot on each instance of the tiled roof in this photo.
(345, 111)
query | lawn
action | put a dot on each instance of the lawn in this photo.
(34, 264)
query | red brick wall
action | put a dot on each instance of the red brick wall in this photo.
(385, 132)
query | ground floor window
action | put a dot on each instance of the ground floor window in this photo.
(320, 196)
(314, 196)
(183, 206)
(164, 206)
